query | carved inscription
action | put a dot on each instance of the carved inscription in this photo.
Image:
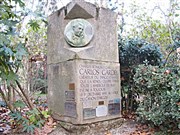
(97, 82)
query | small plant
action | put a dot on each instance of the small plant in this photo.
(28, 120)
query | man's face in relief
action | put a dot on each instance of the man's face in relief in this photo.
(78, 29)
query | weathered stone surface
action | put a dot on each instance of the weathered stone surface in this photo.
(75, 10)
(83, 79)
(103, 46)
(114, 127)
(94, 96)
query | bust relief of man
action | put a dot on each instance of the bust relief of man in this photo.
(76, 33)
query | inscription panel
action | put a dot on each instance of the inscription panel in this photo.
(114, 106)
(70, 95)
(89, 113)
(98, 82)
(70, 109)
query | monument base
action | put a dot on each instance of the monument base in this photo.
(84, 91)
(98, 128)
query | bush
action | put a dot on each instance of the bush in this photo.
(132, 53)
(135, 51)
(160, 88)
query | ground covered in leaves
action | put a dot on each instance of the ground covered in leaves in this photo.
(122, 126)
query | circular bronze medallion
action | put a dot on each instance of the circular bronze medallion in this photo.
(78, 32)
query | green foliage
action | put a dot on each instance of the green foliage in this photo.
(156, 32)
(34, 25)
(38, 82)
(12, 45)
(30, 119)
(159, 88)
(171, 59)
(28, 126)
(20, 2)
(136, 51)
(19, 104)
(151, 53)
(36, 42)
(154, 79)
(145, 24)
(45, 114)
(12, 49)
(132, 53)
(36, 36)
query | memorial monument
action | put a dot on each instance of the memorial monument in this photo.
(83, 64)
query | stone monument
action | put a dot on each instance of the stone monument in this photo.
(83, 64)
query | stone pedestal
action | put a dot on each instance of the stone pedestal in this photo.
(84, 91)
(83, 78)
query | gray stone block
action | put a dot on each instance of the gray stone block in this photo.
(83, 79)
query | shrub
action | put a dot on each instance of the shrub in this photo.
(160, 88)
(132, 53)
(135, 51)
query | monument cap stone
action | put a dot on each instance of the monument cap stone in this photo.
(78, 12)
